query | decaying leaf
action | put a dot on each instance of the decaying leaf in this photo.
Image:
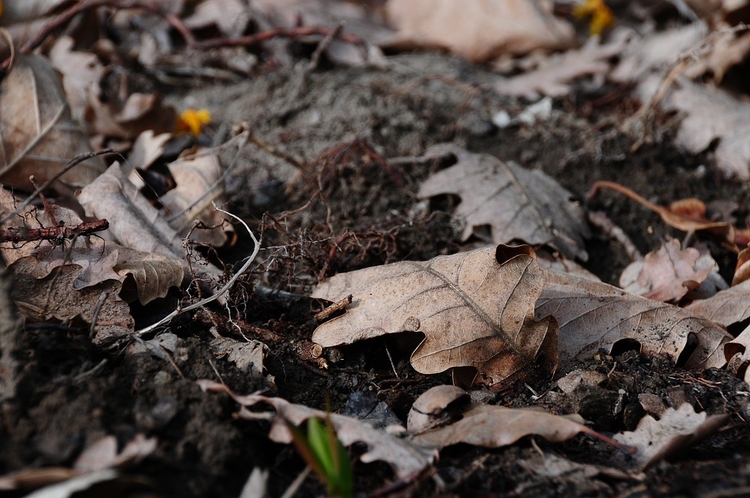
(128, 116)
(737, 353)
(676, 431)
(153, 274)
(52, 298)
(594, 315)
(435, 407)
(666, 274)
(475, 309)
(515, 202)
(37, 134)
(80, 71)
(492, 426)
(553, 76)
(479, 30)
(229, 16)
(405, 457)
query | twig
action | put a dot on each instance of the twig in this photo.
(97, 308)
(218, 293)
(608, 227)
(335, 307)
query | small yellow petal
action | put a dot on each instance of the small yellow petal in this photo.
(193, 121)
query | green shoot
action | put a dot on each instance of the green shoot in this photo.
(325, 454)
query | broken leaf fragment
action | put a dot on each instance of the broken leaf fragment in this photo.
(474, 308)
(516, 203)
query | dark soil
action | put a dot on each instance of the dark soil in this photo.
(340, 124)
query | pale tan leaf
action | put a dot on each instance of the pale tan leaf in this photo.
(516, 203)
(129, 117)
(199, 186)
(676, 431)
(147, 148)
(231, 17)
(493, 426)
(154, 275)
(594, 315)
(435, 407)
(553, 76)
(51, 297)
(405, 457)
(80, 71)
(37, 135)
(727, 307)
(27, 10)
(480, 30)
(737, 353)
(247, 355)
(475, 309)
(666, 274)
(709, 115)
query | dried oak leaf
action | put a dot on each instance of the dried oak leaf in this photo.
(726, 307)
(479, 30)
(666, 274)
(474, 308)
(405, 457)
(492, 426)
(37, 134)
(672, 434)
(515, 202)
(594, 315)
(737, 353)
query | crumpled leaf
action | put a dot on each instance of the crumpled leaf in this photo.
(405, 457)
(435, 407)
(515, 202)
(554, 74)
(492, 426)
(475, 309)
(153, 274)
(37, 135)
(737, 353)
(666, 274)
(479, 30)
(128, 116)
(229, 16)
(594, 315)
(134, 222)
(677, 430)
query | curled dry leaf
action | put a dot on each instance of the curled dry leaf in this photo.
(666, 274)
(406, 458)
(479, 30)
(80, 71)
(134, 222)
(515, 202)
(199, 185)
(492, 426)
(671, 435)
(435, 407)
(129, 116)
(37, 134)
(594, 315)
(475, 309)
(737, 353)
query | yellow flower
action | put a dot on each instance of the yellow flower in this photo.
(601, 16)
(193, 121)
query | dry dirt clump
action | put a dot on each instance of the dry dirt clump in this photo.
(507, 263)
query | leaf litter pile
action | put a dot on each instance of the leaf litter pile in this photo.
(404, 247)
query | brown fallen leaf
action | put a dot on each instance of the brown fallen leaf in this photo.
(666, 274)
(479, 30)
(80, 71)
(435, 407)
(671, 435)
(406, 458)
(737, 353)
(675, 215)
(726, 307)
(742, 268)
(37, 134)
(554, 74)
(594, 315)
(515, 202)
(475, 309)
(128, 116)
(492, 426)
